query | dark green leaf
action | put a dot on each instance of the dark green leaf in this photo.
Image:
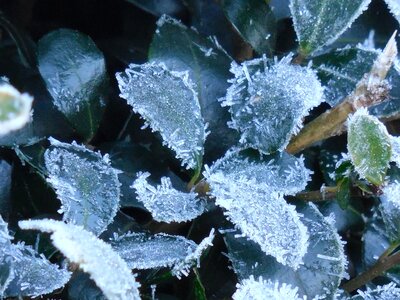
(390, 210)
(33, 155)
(343, 192)
(75, 74)
(255, 22)
(198, 288)
(369, 146)
(182, 49)
(81, 287)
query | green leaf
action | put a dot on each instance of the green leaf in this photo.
(320, 23)
(75, 74)
(369, 146)
(85, 183)
(390, 210)
(198, 287)
(255, 22)
(169, 104)
(343, 192)
(183, 49)
(324, 264)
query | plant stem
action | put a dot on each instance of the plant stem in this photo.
(370, 90)
(384, 263)
(326, 193)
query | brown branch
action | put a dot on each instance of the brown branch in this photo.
(324, 194)
(370, 90)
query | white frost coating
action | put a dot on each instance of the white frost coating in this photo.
(86, 184)
(165, 203)
(395, 142)
(394, 6)
(143, 251)
(391, 193)
(268, 101)
(108, 270)
(15, 109)
(168, 102)
(251, 289)
(384, 292)
(320, 23)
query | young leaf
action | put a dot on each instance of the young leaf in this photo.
(255, 22)
(268, 101)
(165, 203)
(184, 49)
(394, 6)
(369, 146)
(110, 272)
(383, 292)
(169, 104)
(320, 23)
(85, 183)
(258, 208)
(15, 109)
(143, 251)
(75, 74)
(324, 264)
(251, 289)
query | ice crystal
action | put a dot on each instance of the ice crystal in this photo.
(268, 101)
(394, 6)
(384, 292)
(109, 271)
(251, 289)
(395, 142)
(6, 262)
(320, 23)
(144, 251)
(15, 108)
(169, 104)
(390, 209)
(165, 203)
(86, 184)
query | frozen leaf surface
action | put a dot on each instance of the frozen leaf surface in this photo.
(74, 71)
(384, 292)
(394, 6)
(6, 263)
(324, 264)
(15, 109)
(144, 251)
(254, 202)
(320, 23)
(369, 146)
(252, 289)
(110, 272)
(268, 101)
(390, 209)
(395, 142)
(86, 184)
(169, 104)
(165, 203)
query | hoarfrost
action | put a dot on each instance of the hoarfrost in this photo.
(169, 104)
(394, 6)
(165, 203)
(320, 23)
(143, 251)
(6, 266)
(15, 109)
(384, 292)
(258, 208)
(390, 209)
(251, 289)
(395, 142)
(268, 101)
(86, 184)
(109, 271)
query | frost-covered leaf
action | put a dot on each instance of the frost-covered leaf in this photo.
(268, 101)
(395, 142)
(255, 22)
(85, 183)
(169, 104)
(320, 23)
(394, 6)
(184, 49)
(110, 272)
(165, 203)
(81, 287)
(384, 292)
(75, 74)
(6, 261)
(34, 274)
(324, 264)
(15, 109)
(390, 210)
(369, 146)
(251, 192)
(252, 289)
(144, 251)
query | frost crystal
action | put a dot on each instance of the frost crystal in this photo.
(168, 102)
(258, 208)
(320, 23)
(86, 184)
(143, 251)
(15, 108)
(251, 289)
(394, 6)
(165, 203)
(108, 270)
(395, 142)
(268, 101)
(390, 209)
(384, 292)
